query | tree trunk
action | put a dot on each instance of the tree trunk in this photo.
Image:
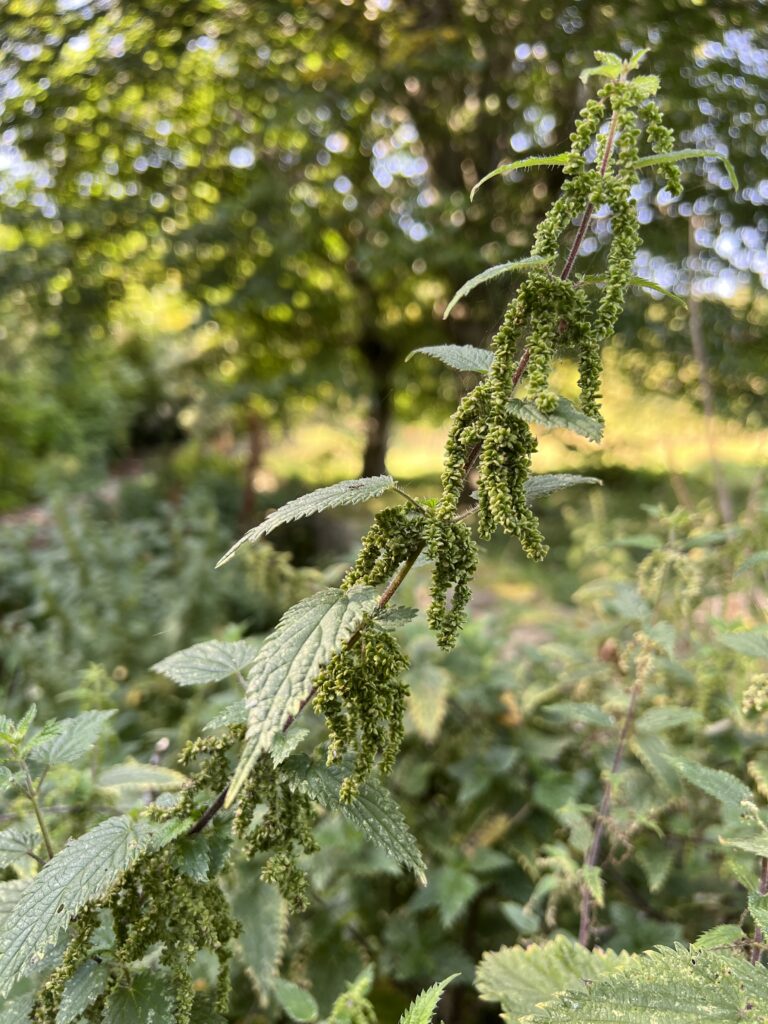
(377, 429)
(256, 446)
(381, 364)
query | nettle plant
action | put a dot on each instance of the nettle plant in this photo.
(108, 926)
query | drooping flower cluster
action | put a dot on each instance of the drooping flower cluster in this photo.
(555, 311)
(362, 696)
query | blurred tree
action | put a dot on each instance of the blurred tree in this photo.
(302, 171)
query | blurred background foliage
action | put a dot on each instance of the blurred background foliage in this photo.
(222, 219)
(224, 226)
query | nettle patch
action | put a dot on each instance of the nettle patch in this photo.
(109, 926)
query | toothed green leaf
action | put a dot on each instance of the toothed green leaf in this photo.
(555, 160)
(148, 999)
(527, 263)
(521, 978)
(422, 1009)
(656, 159)
(721, 785)
(347, 492)
(565, 416)
(541, 485)
(86, 984)
(373, 811)
(458, 357)
(85, 870)
(207, 662)
(667, 986)
(15, 845)
(281, 679)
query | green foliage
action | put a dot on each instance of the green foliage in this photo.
(347, 492)
(422, 1009)
(522, 979)
(207, 662)
(529, 263)
(458, 357)
(563, 982)
(283, 676)
(83, 873)
(143, 898)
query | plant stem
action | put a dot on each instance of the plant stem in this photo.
(32, 797)
(604, 810)
(589, 209)
(758, 939)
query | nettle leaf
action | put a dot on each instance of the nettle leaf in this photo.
(233, 714)
(660, 719)
(373, 811)
(10, 894)
(605, 70)
(17, 1010)
(15, 844)
(667, 986)
(148, 998)
(261, 943)
(297, 1002)
(638, 282)
(564, 417)
(579, 711)
(451, 889)
(647, 85)
(394, 616)
(347, 492)
(656, 862)
(555, 160)
(723, 786)
(350, 1005)
(458, 357)
(720, 935)
(73, 739)
(522, 978)
(543, 484)
(428, 690)
(758, 908)
(207, 662)
(422, 1009)
(756, 844)
(527, 263)
(675, 157)
(86, 984)
(752, 642)
(85, 870)
(138, 778)
(285, 743)
(281, 679)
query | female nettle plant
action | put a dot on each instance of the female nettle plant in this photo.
(133, 889)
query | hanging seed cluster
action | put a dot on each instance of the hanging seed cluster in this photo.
(554, 311)
(401, 533)
(362, 697)
(270, 817)
(156, 905)
(273, 818)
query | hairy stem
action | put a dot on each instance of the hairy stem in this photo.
(593, 854)
(32, 796)
(589, 209)
(758, 939)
